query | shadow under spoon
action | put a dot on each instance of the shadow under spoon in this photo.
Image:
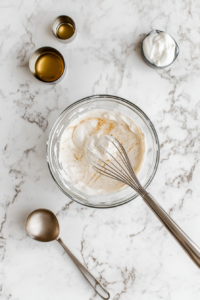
(42, 225)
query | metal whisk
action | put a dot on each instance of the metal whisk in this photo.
(120, 169)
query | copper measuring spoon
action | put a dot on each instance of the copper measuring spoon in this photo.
(42, 225)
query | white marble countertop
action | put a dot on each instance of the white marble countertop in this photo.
(126, 247)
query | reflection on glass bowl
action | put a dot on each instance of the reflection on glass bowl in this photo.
(152, 152)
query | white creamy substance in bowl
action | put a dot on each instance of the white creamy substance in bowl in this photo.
(88, 130)
(159, 49)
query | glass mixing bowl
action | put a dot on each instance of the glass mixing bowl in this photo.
(152, 151)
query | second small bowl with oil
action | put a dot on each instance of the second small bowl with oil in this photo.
(48, 65)
(64, 29)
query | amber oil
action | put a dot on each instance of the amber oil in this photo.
(65, 31)
(49, 66)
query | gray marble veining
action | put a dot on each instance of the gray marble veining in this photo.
(126, 246)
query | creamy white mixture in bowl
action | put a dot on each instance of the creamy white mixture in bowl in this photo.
(88, 132)
(82, 125)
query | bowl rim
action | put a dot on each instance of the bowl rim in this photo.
(109, 97)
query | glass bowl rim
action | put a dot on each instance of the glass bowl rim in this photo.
(111, 98)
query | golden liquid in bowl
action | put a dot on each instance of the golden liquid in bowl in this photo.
(49, 66)
(65, 31)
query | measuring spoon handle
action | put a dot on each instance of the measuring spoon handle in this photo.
(101, 291)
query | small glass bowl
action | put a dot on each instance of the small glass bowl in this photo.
(152, 151)
(150, 64)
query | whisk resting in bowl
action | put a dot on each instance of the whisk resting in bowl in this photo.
(119, 167)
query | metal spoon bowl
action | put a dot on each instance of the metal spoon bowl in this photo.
(42, 225)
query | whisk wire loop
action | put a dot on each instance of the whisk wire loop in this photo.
(128, 175)
(126, 160)
(118, 169)
(115, 173)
